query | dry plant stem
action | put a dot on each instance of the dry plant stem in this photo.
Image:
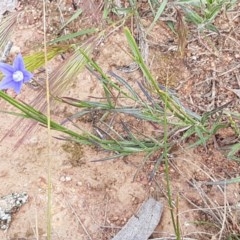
(224, 214)
(49, 204)
(36, 220)
(61, 17)
(230, 70)
(34, 228)
(165, 156)
(78, 219)
(172, 238)
(219, 213)
(181, 30)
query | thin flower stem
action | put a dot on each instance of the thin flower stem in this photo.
(49, 204)
(168, 180)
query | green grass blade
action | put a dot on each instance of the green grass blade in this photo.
(172, 105)
(200, 135)
(193, 17)
(174, 220)
(107, 83)
(122, 146)
(85, 104)
(189, 132)
(73, 35)
(59, 80)
(234, 150)
(14, 114)
(158, 14)
(30, 112)
(212, 12)
(72, 18)
(225, 182)
(126, 85)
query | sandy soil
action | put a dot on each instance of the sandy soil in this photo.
(93, 200)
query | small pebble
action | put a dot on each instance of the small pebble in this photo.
(68, 178)
(62, 179)
(65, 179)
(15, 49)
(79, 183)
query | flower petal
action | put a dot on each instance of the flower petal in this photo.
(16, 86)
(27, 76)
(8, 83)
(6, 69)
(4, 84)
(18, 63)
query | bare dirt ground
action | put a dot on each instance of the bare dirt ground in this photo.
(93, 200)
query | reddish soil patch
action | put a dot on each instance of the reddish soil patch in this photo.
(93, 200)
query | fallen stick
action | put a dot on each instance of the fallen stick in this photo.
(142, 225)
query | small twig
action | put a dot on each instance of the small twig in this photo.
(228, 71)
(232, 38)
(61, 17)
(172, 238)
(112, 227)
(106, 208)
(224, 213)
(238, 79)
(213, 91)
(78, 219)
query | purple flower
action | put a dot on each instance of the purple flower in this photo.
(15, 75)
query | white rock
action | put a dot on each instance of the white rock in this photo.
(68, 178)
(7, 5)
